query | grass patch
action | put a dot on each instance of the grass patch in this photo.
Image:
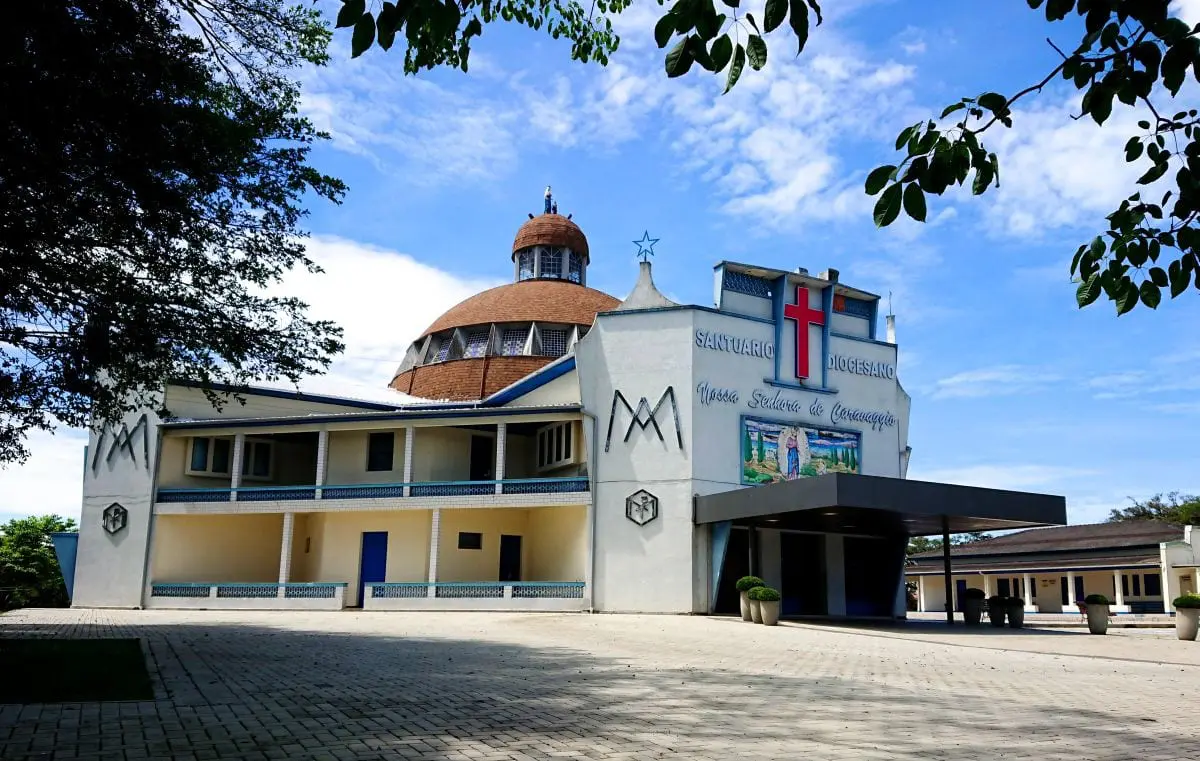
(72, 671)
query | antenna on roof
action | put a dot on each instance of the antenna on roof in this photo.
(890, 303)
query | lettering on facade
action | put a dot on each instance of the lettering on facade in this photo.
(710, 395)
(878, 420)
(641, 507)
(644, 415)
(860, 366)
(114, 518)
(735, 344)
(121, 440)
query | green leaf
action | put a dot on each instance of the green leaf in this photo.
(983, 178)
(878, 178)
(386, 25)
(1127, 296)
(364, 35)
(1098, 102)
(887, 208)
(1057, 10)
(1133, 149)
(1156, 171)
(816, 9)
(753, 23)
(1088, 291)
(914, 202)
(799, 23)
(664, 29)
(721, 52)
(756, 52)
(904, 135)
(1158, 276)
(350, 13)
(700, 52)
(952, 108)
(1179, 277)
(994, 102)
(735, 69)
(1150, 294)
(774, 14)
(679, 59)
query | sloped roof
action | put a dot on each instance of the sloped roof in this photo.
(1083, 537)
(551, 301)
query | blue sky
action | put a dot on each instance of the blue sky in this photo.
(1012, 385)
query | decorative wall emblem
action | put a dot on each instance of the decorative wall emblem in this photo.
(114, 518)
(644, 416)
(641, 507)
(122, 439)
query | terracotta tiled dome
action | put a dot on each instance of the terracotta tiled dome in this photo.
(556, 301)
(551, 230)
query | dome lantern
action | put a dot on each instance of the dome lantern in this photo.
(550, 247)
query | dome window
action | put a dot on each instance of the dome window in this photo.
(512, 341)
(554, 342)
(443, 349)
(575, 267)
(552, 262)
(525, 265)
(477, 342)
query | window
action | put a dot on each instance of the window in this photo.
(554, 342)
(1137, 584)
(554, 445)
(1153, 585)
(381, 449)
(552, 262)
(470, 540)
(213, 456)
(443, 348)
(1124, 585)
(575, 267)
(477, 342)
(512, 341)
(525, 265)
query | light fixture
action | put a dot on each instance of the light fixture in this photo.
(772, 520)
(832, 512)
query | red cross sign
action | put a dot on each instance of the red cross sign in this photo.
(804, 315)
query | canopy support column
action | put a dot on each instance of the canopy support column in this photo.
(946, 570)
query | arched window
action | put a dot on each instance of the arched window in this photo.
(525, 265)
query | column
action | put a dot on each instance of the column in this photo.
(322, 459)
(1071, 590)
(946, 570)
(1027, 583)
(501, 438)
(835, 574)
(435, 530)
(1166, 591)
(285, 551)
(1117, 591)
(409, 436)
(235, 467)
(987, 585)
(921, 594)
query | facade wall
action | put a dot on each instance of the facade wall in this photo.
(562, 390)
(212, 548)
(336, 546)
(173, 463)
(442, 454)
(483, 564)
(348, 458)
(558, 547)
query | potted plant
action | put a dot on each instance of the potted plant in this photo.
(973, 606)
(1187, 616)
(1015, 608)
(1097, 613)
(744, 585)
(767, 600)
(997, 605)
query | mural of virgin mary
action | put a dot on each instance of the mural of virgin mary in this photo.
(792, 452)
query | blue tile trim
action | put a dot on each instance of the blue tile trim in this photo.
(367, 491)
(410, 413)
(798, 386)
(779, 293)
(827, 307)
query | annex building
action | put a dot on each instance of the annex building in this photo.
(549, 447)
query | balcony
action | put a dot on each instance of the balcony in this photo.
(234, 596)
(412, 494)
(520, 595)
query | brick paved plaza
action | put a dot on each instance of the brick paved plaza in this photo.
(525, 686)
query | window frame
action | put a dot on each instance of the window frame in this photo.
(249, 446)
(477, 534)
(554, 445)
(377, 436)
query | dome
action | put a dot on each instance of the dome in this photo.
(552, 301)
(551, 229)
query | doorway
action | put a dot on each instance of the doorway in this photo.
(483, 458)
(372, 567)
(802, 566)
(510, 558)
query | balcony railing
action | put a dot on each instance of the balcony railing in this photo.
(376, 491)
(478, 590)
(198, 590)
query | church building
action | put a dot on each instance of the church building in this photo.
(549, 447)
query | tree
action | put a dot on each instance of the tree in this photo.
(1131, 51)
(761, 448)
(1175, 508)
(146, 200)
(919, 544)
(747, 446)
(28, 564)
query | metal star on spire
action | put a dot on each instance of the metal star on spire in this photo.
(645, 246)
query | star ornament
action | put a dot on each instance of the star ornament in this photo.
(645, 246)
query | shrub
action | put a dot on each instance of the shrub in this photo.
(996, 602)
(1016, 602)
(1097, 600)
(1187, 601)
(974, 594)
(764, 594)
(746, 583)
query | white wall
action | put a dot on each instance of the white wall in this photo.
(562, 390)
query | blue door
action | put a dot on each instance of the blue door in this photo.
(960, 591)
(1079, 595)
(373, 565)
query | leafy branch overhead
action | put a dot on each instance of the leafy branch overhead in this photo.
(1132, 53)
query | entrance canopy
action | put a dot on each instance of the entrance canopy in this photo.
(874, 505)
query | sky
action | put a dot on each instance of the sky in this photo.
(1012, 385)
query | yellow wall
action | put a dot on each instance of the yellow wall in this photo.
(348, 459)
(173, 463)
(230, 548)
(336, 546)
(479, 565)
(519, 456)
(557, 544)
(441, 454)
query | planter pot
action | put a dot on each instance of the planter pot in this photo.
(1187, 623)
(755, 611)
(972, 612)
(1016, 616)
(996, 616)
(769, 612)
(745, 606)
(1097, 618)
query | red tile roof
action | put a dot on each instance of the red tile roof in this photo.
(551, 230)
(554, 301)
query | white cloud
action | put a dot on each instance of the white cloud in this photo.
(999, 380)
(382, 299)
(1188, 10)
